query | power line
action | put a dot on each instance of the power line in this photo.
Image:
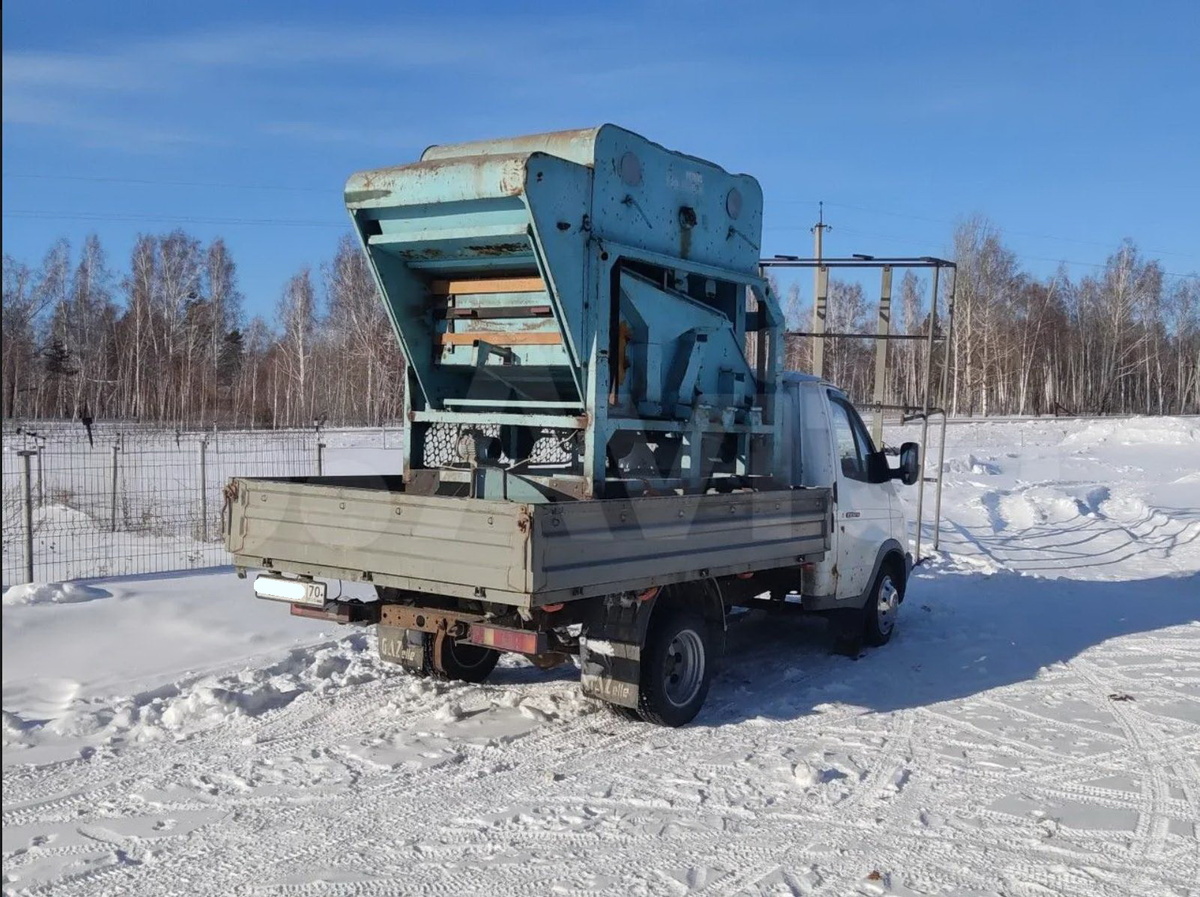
(1028, 258)
(46, 215)
(1038, 258)
(146, 182)
(1006, 230)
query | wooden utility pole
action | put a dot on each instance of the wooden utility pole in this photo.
(882, 330)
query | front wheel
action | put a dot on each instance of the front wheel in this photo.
(882, 607)
(677, 669)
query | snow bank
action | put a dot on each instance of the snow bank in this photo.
(1138, 431)
(156, 652)
(190, 705)
(972, 464)
(52, 593)
(182, 708)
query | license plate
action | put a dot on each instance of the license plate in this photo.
(294, 591)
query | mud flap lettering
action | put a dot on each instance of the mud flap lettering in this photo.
(610, 671)
(402, 646)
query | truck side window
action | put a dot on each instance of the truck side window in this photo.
(854, 442)
(849, 448)
(865, 445)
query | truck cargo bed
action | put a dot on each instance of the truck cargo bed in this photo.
(524, 554)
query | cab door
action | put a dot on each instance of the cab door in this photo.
(863, 512)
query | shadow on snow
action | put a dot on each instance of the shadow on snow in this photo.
(959, 634)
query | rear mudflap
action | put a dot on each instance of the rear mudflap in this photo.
(403, 646)
(610, 671)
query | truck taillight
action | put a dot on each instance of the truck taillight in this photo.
(504, 639)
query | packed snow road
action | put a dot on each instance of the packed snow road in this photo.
(1032, 729)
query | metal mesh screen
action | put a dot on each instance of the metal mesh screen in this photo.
(441, 445)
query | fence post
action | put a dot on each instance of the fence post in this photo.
(25, 454)
(41, 489)
(113, 496)
(203, 490)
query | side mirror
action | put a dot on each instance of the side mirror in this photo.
(909, 470)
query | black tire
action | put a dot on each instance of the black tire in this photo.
(623, 712)
(677, 667)
(882, 606)
(464, 662)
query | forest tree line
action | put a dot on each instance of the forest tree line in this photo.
(1122, 340)
(167, 340)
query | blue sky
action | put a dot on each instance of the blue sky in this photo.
(1070, 124)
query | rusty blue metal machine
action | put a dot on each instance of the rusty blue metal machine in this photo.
(582, 314)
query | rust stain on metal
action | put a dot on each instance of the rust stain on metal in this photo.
(439, 650)
(429, 252)
(378, 183)
(687, 221)
(498, 249)
(426, 620)
(548, 660)
(512, 183)
(565, 144)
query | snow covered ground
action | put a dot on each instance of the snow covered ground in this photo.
(1032, 729)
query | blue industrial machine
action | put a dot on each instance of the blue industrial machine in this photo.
(582, 314)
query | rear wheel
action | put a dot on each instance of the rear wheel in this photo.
(882, 606)
(455, 660)
(628, 713)
(677, 668)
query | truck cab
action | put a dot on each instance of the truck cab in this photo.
(830, 447)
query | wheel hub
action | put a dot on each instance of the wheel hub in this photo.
(685, 667)
(887, 603)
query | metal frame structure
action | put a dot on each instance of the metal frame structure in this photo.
(881, 337)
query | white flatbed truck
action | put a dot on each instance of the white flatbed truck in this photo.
(603, 455)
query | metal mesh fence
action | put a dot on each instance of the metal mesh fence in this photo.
(140, 500)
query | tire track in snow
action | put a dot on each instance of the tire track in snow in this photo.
(580, 754)
(369, 799)
(1150, 835)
